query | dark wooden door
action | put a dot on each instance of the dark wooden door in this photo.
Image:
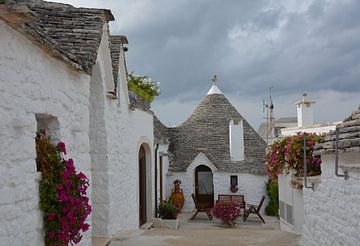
(142, 186)
(204, 187)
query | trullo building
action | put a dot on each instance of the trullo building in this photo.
(215, 151)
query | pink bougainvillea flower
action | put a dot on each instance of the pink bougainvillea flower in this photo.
(65, 227)
(81, 175)
(85, 227)
(62, 147)
(59, 187)
(62, 236)
(67, 193)
(63, 198)
(51, 234)
(63, 219)
(70, 164)
(51, 217)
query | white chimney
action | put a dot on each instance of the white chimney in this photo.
(305, 112)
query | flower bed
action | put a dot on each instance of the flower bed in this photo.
(228, 212)
(63, 197)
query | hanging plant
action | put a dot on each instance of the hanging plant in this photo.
(63, 197)
(287, 154)
(275, 158)
(294, 155)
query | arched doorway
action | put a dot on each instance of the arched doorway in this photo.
(204, 187)
(142, 186)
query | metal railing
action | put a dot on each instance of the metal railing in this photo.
(345, 175)
(305, 167)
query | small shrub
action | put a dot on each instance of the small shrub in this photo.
(272, 189)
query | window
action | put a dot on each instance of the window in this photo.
(233, 180)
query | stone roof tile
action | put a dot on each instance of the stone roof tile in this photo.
(207, 131)
(70, 34)
(348, 139)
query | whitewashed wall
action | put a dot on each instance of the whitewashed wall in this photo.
(250, 185)
(332, 214)
(162, 151)
(32, 82)
(311, 129)
(118, 175)
(292, 215)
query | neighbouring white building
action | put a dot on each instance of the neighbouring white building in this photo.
(60, 69)
(291, 199)
(305, 120)
(215, 151)
(271, 131)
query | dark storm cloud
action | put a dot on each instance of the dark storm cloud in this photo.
(296, 46)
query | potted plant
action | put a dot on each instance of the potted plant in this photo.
(167, 210)
(228, 212)
(143, 86)
(168, 214)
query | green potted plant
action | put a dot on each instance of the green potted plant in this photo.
(143, 87)
(168, 214)
(167, 210)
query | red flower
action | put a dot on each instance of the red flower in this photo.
(85, 227)
(51, 217)
(62, 147)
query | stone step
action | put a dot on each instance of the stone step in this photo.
(146, 226)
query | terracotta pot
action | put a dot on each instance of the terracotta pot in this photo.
(177, 197)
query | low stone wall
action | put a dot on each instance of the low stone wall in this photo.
(331, 212)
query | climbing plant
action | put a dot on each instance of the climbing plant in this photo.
(287, 154)
(272, 207)
(63, 198)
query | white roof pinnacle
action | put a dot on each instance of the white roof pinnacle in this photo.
(214, 89)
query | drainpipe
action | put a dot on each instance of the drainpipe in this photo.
(156, 157)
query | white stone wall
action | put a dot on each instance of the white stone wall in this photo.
(311, 129)
(117, 174)
(332, 214)
(32, 82)
(162, 151)
(250, 185)
(293, 198)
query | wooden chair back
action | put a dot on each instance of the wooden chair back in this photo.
(195, 201)
(239, 199)
(260, 204)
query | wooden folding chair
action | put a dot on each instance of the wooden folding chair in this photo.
(201, 208)
(254, 209)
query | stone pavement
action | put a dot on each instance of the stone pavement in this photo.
(203, 232)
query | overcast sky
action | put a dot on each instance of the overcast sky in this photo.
(295, 46)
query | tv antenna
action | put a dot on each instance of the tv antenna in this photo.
(269, 114)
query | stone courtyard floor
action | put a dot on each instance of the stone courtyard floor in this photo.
(202, 231)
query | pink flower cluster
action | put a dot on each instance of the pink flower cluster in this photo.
(67, 221)
(288, 153)
(226, 211)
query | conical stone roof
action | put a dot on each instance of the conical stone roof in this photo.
(207, 131)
